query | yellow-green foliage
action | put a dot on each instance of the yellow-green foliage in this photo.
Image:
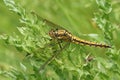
(26, 45)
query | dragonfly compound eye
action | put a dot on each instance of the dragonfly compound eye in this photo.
(52, 33)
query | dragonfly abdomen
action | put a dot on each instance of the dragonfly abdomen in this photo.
(80, 41)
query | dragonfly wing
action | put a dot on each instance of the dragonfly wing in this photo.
(47, 22)
(53, 57)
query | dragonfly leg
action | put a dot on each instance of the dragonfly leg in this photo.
(51, 58)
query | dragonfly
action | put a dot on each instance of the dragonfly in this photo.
(64, 35)
(61, 34)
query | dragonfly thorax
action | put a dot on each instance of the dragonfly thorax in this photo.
(60, 35)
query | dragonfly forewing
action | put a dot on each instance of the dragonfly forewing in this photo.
(47, 22)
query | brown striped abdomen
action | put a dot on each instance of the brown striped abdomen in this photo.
(80, 41)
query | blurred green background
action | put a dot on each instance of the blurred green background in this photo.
(74, 15)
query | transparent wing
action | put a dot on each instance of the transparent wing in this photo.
(53, 57)
(47, 22)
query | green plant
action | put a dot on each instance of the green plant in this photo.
(75, 62)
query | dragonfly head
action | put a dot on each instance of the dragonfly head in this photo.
(52, 33)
